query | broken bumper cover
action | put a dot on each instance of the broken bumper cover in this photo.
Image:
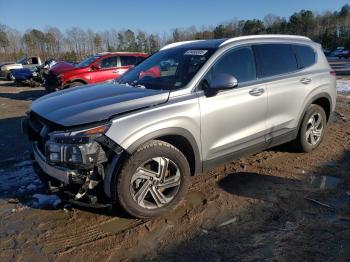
(68, 183)
(62, 174)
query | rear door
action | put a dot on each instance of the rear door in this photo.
(286, 85)
(233, 120)
(126, 61)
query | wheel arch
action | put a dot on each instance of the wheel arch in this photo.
(179, 138)
(322, 99)
(81, 80)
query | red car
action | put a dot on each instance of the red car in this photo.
(94, 69)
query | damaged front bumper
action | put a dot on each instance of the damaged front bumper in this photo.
(79, 163)
(83, 188)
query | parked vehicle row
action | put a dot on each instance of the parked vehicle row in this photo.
(94, 69)
(192, 105)
(339, 52)
(25, 62)
(33, 76)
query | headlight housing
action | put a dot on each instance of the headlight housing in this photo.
(77, 148)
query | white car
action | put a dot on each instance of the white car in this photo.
(25, 62)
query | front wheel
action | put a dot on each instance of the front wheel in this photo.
(10, 77)
(153, 180)
(312, 129)
(75, 84)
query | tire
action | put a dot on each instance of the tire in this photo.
(144, 205)
(10, 77)
(309, 139)
(75, 84)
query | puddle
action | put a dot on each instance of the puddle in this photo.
(325, 182)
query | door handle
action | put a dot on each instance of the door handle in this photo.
(256, 91)
(305, 81)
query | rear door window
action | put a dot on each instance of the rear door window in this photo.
(128, 60)
(275, 59)
(305, 55)
(109, 62)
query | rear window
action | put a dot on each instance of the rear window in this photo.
(275, 59)
(305, 55)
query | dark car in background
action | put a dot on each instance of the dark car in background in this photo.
(94, 69)
(340, 52)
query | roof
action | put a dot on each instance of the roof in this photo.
(121, 53)
(216, 43)
(212, 43)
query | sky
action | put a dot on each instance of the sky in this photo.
(153, 16)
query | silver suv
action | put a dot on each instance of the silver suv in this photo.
(192, 105)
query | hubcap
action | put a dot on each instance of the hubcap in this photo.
(155, 183)
(314, 129)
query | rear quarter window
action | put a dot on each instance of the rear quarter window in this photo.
(305, 55)
(275, 59)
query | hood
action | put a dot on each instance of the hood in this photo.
(61, 67)
(93, 103)
(22, 73)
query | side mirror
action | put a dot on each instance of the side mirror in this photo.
(223, 82)
(96, 67)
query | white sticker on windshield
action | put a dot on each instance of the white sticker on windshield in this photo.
(196, 52)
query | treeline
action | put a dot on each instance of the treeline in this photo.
(331, 29)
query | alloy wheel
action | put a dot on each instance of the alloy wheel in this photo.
(314, 129)
(155, 183)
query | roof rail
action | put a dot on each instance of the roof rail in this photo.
(178, 44)
(276, 36)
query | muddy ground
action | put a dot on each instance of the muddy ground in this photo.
(276, 205)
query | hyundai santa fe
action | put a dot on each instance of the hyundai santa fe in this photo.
(193, 105)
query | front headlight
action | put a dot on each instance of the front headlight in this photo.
(74, 148)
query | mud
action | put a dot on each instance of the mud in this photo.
(256, 208)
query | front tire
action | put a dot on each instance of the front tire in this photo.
(153, 180)
(312, 129)
(75, 84)
(10, 77)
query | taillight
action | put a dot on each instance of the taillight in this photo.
(332, 72)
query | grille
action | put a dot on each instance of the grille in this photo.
(38, 130)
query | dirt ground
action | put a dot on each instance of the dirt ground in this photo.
(277, 205)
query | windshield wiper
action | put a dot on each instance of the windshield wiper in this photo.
(134, 83)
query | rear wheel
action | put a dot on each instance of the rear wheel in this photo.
(153, 180)
(312, 129)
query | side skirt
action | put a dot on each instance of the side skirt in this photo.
(272, 142)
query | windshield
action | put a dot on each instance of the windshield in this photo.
(22, 60)
(168, 70)
(88, 61)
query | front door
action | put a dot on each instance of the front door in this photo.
(106, 70)
(233, 120)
